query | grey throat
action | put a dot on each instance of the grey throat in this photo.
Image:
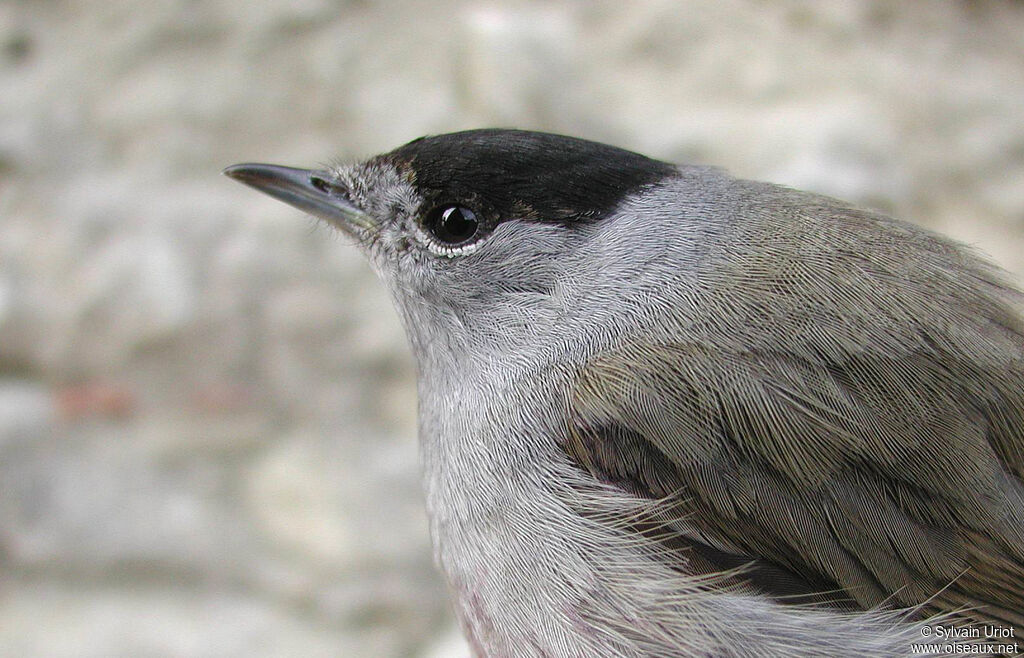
(667, 412)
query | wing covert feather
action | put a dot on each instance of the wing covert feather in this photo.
(895, 480)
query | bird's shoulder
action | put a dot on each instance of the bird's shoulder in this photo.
(885, 469)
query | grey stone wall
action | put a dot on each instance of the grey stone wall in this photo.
(207, 438)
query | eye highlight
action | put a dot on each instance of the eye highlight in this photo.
(452, 225)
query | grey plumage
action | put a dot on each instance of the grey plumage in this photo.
(683, 414)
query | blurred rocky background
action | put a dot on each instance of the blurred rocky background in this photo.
(207, 436)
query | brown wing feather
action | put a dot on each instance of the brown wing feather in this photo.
(895, 481)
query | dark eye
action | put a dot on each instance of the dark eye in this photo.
(453, 225)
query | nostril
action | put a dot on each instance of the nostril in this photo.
(329, 188)
(320, 184)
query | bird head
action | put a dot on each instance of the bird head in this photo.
(478, 231)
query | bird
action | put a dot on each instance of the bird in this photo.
(665, 411)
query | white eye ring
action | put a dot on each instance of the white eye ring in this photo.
(450, 230)
(452, 224)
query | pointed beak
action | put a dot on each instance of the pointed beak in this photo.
(309, 190)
